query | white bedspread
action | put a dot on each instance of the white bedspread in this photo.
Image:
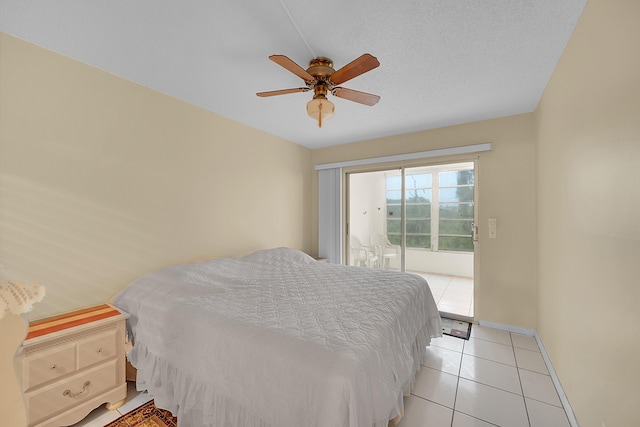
(278, 339)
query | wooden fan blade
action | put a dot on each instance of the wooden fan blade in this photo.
(287, 63)
(356, 96)
(282, 91)
(354, 68)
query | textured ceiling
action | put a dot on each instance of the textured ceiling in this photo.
(442, 62)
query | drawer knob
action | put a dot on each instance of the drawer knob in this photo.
(69, 393)
(53, 367)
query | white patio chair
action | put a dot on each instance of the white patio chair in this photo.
(384, 249)
(362, 256)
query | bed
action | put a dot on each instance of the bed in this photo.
(278, 339)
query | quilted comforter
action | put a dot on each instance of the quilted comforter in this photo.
(278, 339)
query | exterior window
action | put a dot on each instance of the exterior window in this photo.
(437, 203)
(418, 196)
(394, 209)
(455, 211)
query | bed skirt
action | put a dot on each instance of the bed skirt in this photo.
(178, 392)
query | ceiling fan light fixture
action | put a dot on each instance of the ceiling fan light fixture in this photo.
(323, 79)
(320, 109)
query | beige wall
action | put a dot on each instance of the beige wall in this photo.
(102, 180)
(506, 287)
(589, 215)
(13, 330)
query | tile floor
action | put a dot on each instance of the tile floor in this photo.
(453, 295)
(496, 378)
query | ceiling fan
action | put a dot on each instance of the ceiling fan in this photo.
(323, 79)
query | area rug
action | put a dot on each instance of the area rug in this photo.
(146, 415)
(456, 328)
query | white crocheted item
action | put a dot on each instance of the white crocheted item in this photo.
(19, 298)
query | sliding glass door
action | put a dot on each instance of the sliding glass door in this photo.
(415, 219)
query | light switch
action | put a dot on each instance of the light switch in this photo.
(492, 228)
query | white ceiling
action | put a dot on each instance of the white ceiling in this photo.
(443, 62)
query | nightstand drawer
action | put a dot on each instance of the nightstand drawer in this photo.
(49, 365)
(78, 388)
(97, 349)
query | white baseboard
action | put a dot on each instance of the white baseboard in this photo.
(547, 360)
(509, 328)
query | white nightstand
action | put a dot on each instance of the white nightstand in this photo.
(73, 363)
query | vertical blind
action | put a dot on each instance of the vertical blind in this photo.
(330, 214)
